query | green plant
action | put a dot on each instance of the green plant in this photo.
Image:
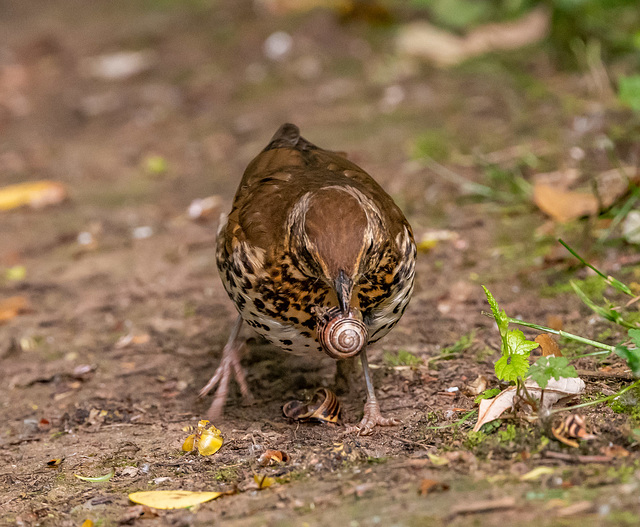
(513, 365)
(460, 345)
(402, 358)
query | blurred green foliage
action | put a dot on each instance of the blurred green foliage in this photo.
(629, 91)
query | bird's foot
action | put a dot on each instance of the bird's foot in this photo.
(229, 367)
(372, 418)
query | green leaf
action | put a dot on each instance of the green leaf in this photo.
(608, 313)
(487, 394)
(97, 479)
(518, 344)
(632, 356)
(634, 335)
(546, 367)
(510, 367)
(629, 91)
(500, 315)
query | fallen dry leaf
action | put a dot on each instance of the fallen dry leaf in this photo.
(172, 499)
(11, 307)
(614, 451)
(491, 409)
(263, 481)
(428, 486)
(476, 387)
(564, 205)
(424, 40)
(548, 345)
(438, 461)
(537, 473)
(36, 194)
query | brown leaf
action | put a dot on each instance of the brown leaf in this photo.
(491, 409)
(424, 40)
(476, 387)
(430, 485)
(548, 346)
(564, 205)
(555, 322)
(11, 307)
(614, 451)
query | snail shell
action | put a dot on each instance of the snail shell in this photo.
(342, 336)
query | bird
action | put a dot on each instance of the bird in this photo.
(316, 257)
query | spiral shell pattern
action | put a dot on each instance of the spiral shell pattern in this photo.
(342, 336)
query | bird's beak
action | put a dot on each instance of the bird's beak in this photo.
(343, 285)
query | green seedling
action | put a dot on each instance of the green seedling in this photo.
(402, 358)
(460, 345)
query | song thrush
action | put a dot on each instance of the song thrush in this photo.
(316, 257)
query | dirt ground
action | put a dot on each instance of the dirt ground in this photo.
(127, 322)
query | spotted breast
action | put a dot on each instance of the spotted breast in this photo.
(316, 257)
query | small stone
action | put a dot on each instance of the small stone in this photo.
(278, 45)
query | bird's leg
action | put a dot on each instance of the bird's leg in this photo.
(345, 372)
(372, 415)
(229, 366)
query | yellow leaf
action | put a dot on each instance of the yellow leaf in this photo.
(210, 441)
(537, 473)
(16, 273)
(172, 499)
(87, 523)
(37, 194)
(97, 479)
(437, 460)
(263, 482)
(189, 443)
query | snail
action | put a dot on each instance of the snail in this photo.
(324, 407)
(342, 336)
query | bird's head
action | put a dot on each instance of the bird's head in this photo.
(335, 234)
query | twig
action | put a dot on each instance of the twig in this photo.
(605, 375)
(578, 458)
(409, 442)
(596, 401)
(508, 502)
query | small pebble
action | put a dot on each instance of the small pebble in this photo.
(140, 233)
(278, 45)
(85, 238)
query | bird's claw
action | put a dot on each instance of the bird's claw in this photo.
(229, 367)
(372, 418)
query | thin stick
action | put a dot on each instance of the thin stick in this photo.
(596, 401)
(560, 333)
